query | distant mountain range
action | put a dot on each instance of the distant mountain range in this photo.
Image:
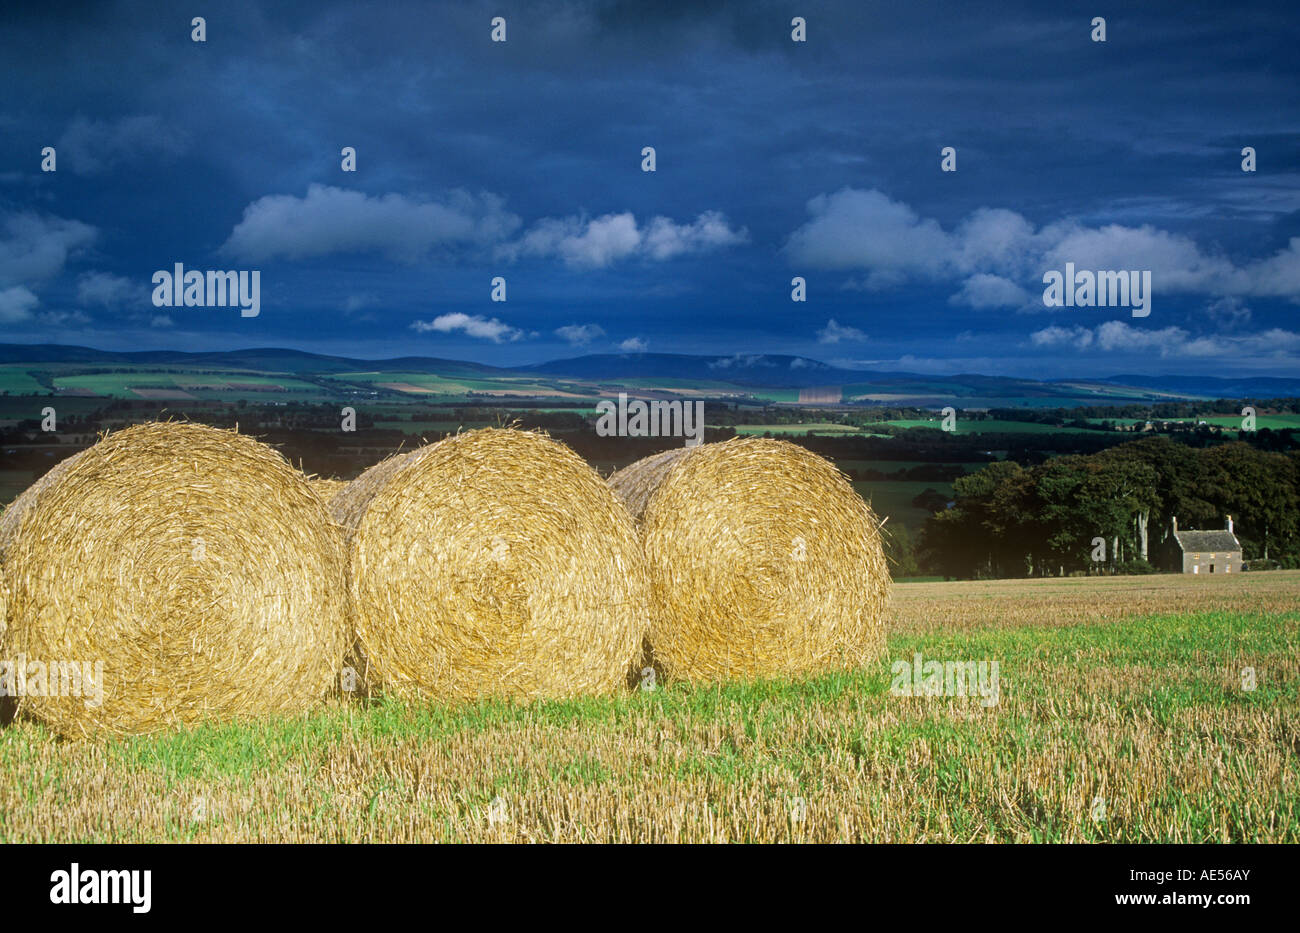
(264, 359)
(745, 370)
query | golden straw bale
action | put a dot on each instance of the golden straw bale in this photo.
(9, 517)
(764, 561)
(327, 489)
(195, 564)
(493, 563)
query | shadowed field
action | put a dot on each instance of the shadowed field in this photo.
(1122, 716)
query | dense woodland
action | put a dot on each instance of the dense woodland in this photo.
(1009, 520)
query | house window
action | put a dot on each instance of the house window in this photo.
(1196, 568)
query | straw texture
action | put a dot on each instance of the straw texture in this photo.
(9, 517)
(195, 563)
(493, 563)
(763, 559)
(4, 612)
(326, 488)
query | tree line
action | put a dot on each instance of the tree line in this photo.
(1009, 520)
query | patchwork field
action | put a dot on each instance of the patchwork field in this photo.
(1275, 422)
(1122, 716)
(818, 427)
(184, 385)
(990, 426)
(460, 386)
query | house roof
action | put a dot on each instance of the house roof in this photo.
(1211, 541)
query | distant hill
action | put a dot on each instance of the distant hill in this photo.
(742, 369)
(1214, 386)
(258, 360)
(795, 376)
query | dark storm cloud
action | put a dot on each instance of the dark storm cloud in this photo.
(522, 159)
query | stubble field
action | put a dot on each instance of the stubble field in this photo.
(1125, 713)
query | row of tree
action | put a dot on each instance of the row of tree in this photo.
(1044, 520)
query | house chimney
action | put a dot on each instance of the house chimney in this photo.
(1229, 524)
(1175, 524)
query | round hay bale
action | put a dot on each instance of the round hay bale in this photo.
(4, 614)
(195, 564)
(327, 489)
(9, 517)
(764, 561)
(493, 563)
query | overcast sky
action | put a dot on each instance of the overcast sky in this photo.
(775, 159)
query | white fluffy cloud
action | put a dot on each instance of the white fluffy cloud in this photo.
(1000, 257)
(592, 243)
(580, 335)
(664, 239)
(36, 247)
(331, 220)
(16, 304)
(1167, 342)
(854, 229)
(834, 332)
(108, 290)
(741, 360)
(598, 242)
(472, 325)
(991, 291)
(634, 345)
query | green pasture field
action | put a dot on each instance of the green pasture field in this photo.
(200, 385)
(16, 380)
(1135, 729)
(1280, 422)
(992, 426)
(462, 385)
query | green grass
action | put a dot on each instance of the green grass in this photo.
(1281, 422)
(17, 381)
(1150, 643)
(201, 385)
(1146, 714)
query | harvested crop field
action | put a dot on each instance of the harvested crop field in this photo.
(918, 608)
(1123, 715)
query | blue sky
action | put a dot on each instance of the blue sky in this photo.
(775, 159)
